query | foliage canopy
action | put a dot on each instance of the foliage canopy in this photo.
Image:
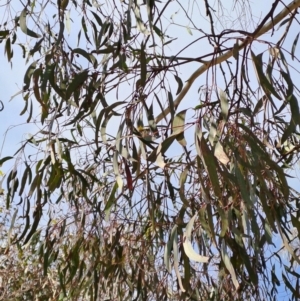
(129, 190)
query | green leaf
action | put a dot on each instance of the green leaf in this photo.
(191, 254)
(23, 25)
(163, 147)
(259, 105)
(159, 157)
(13, 219)
(168, 249)
(295, 118)
(143, 62)
(171, 104)
(235, 50)
(37, 217)
(258, 66)
(189, 30)
(83, 25)
(209, 161)
(103, 128)
(4, 33)
(224, 104)
(5, 159)
(158, 31)
(176, 262)
(229, 265)
(76, 83)
(8, 50)
(178, 125)
(244, 188)
(224, 217)
(30, 112)
(36, 47)
(294, 46)
(86, 55)
(180, 84)
(287, 282)
(189, 227)
(24, 179)
(140, 24)
(187, 246)
(284, 22)
(28, 75)
(97, 18)
(111, 200)
(151, 121)
(212, 136)
(53, 80)
(220, 153)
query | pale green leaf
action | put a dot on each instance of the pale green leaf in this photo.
(229, 265)
(23, 25)
(190, 252)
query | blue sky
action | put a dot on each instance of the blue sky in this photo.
(13, 127)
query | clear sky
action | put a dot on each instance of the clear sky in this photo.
(13, 127)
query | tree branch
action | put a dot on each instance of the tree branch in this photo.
(287, 10)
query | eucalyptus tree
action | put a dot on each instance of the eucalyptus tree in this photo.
(164, 133)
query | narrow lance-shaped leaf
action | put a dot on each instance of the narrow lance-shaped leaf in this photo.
(140, 24)
(11, 228)
(224, 104)
(143, 66)
(188, 248)
(151, 120)
(220, 153)
(294, 46)
(229, 265)
(168, 249)
(266, 85)
(4, 33)
(23, 25)
(159, 158)
(8, 50)
(180, 84)
(176, 262)
(209, 162)
(171, 104)
(178, 127)
(28, 75)
(111, 200)
(76, 83)
(86, 55)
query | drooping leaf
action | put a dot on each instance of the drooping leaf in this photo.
(5, 159)
(171, 104)
(220, 153)
(180, 84)
(229, 265)
(208, 159)
(176, 262)
(159, 158)
(86, 55)
(188, 248)
(224, 104)
(258, 65)
(23, 25)
(294, 46)
(76, 83)
(143, 66)
(8, 50)
(4, 33)
(168, 249)
(28, 75)
(178, 126)
(191, 254)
